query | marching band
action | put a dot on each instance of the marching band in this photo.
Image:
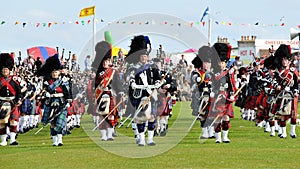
(144, 91)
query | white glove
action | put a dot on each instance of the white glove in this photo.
(198, 79)
(79, 96)
(212, 94)
(167, 86)
(68, 105)
(231, 71)
(287, 89)
(69, 101)
(65, 79)
(193, 87)
(226, 85)
(133, 85)
(121, 94)
(47, 94)
(157, 85)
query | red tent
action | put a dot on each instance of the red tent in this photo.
(191, 50)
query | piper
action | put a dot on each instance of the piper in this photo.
(10, 100)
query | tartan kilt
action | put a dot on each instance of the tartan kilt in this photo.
(15, 114)
(250, 102)
(38, 110)
(223, 108)
(132, 106)
(92, 109)
(26, 107)
(81, 108)
(240, 101)
(163, 106)
(75, 107)
(261, 102)
(70, 110)
(61, 120)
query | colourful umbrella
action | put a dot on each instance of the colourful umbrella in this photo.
(43, 52)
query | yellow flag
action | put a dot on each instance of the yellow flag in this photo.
(87, 12)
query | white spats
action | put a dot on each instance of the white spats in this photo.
(225, 138)
(103, 135)
(272, 133)
(218, 137)
(211, 132)
(283, 134)
(55, 140)
(13, 138)
(150, 141)
(142, 139)
(59, 139)
(110, 132)
(3, 140)
(293, 131)
(204, 134)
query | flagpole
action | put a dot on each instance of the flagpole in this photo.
(209, 30)
(94, 36)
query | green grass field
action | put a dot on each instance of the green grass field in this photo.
(250, 147)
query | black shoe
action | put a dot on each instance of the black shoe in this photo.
(152, 144)
(110, 139)
(14, 143)
(163, 133)
(155, 133)
(60, 144)
(203, 138)
(293, 136)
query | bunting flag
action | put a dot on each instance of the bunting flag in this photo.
(206, 12)
(87, 12)
(146, 22)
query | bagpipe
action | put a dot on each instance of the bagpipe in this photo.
(106, 79)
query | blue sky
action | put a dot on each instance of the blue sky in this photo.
(241, 14)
